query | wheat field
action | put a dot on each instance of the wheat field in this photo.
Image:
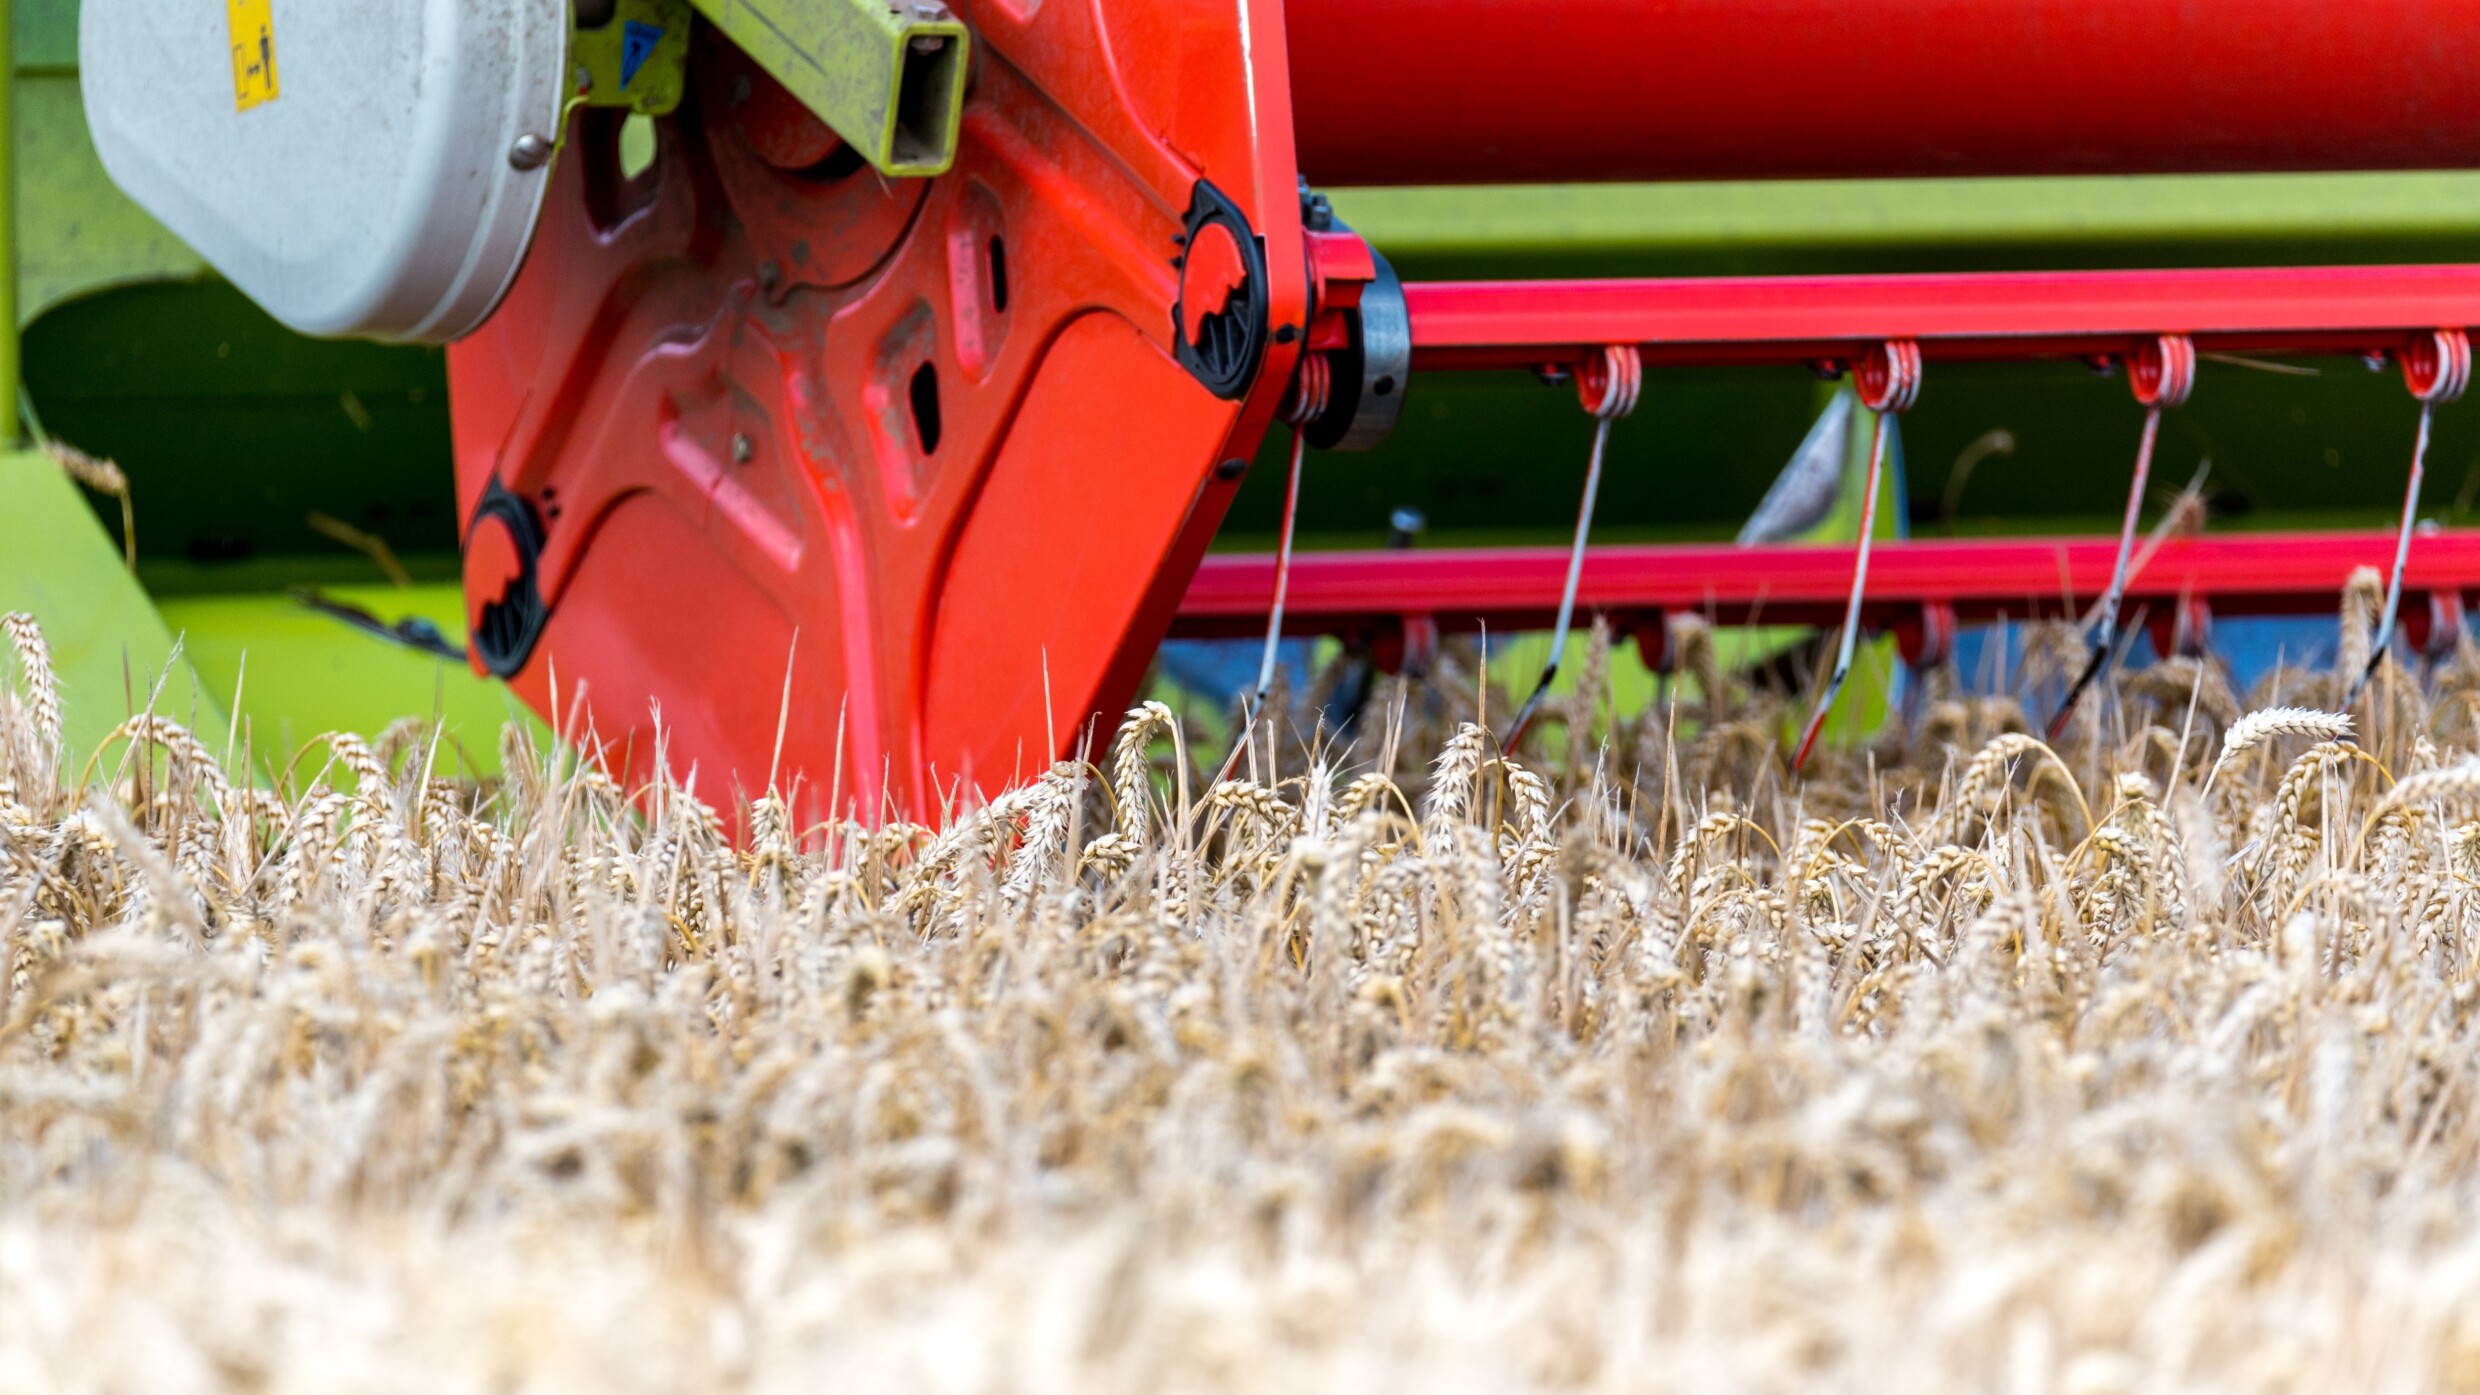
(1627, 1062)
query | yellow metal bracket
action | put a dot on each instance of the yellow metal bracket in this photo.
(889, 79)
(635, 55)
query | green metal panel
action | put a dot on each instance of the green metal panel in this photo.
(109, 645)
(296, 673)
(1727, 228)
(10, 434)
(77, 232)
(300, 673)
(46, 35)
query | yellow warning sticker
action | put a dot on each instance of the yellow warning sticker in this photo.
(253, 52)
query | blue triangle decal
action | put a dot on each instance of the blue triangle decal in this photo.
(636, 46)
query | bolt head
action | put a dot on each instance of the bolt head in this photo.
(744, 450)
(531, 152)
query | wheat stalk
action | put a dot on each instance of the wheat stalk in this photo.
(34, 666)
(1343, 1091)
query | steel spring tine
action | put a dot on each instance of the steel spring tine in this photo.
(2095, 659)
(1614, 396)
(2384, 639)
(2437, 370)
(2105, 631)
(2105, 627)
(1567, 600)
(1888, 382)
(1859, 594)
(2162, 374)
(1309, 403)
(1282, 569)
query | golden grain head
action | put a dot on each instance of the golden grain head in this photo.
(98, 474)
(1970, 1063)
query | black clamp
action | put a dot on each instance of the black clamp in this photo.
(508, 626)
(1221, 339)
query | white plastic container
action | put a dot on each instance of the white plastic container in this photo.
(381, 178)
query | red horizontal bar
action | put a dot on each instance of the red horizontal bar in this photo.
(1959, 315)
(1518, 588)
(1466, 91)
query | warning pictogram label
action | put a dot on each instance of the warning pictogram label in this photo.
(253, 52)
(637, 45)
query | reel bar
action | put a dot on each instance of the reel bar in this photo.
(1954, 317)
(1980, 579)
(1712, 89)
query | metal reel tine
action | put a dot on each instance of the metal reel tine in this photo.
(2162, 374)
(2096, 660)
(1608, 387)
(1889, 381)
(2436, 368)
(1307, 402)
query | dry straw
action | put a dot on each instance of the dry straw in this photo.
(1607, 1079)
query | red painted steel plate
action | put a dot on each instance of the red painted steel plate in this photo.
(1478, 91)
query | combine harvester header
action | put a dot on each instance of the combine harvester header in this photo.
(924, 348)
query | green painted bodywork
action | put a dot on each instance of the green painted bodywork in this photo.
(11, 434)
(111, 649)
(77, 233)
(288, 673)
(299, 673)
(1705, 229)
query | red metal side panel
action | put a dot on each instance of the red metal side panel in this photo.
(1471, 91)
(1070, 532)
(736, 416)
